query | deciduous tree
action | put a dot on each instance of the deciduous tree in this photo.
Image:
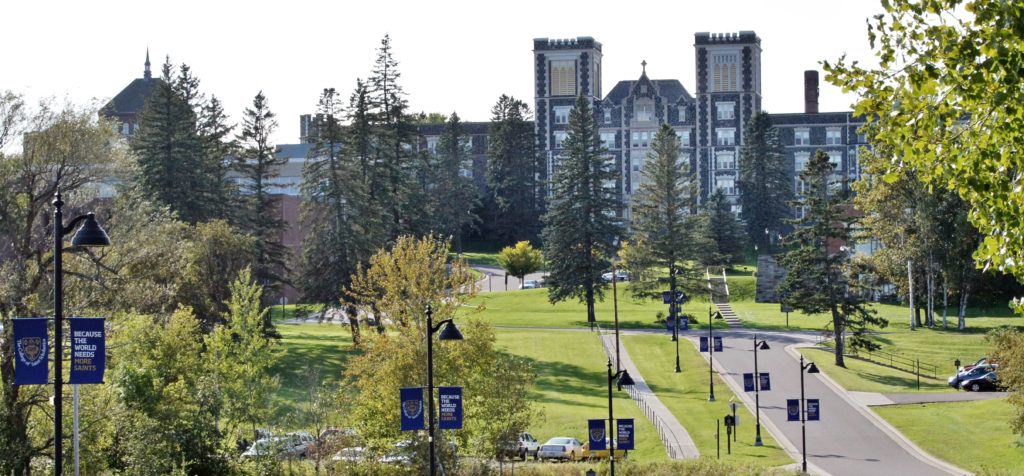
(520, 260)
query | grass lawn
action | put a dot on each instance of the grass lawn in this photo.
(572, 387)
(686, 396)
(864, 376)
(972, 435)
(322, 346)
(530, 308)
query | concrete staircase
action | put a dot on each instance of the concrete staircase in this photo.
(719, 288)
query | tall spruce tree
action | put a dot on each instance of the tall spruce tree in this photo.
(764, 183)
(819, 278)
(581, 224)
(259, 165)
(172, 162)
(218, 145)
(662, 228)
(454, 193)
(514, 201)
(726, 238)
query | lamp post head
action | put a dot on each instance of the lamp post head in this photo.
(812, 369)
(625, 380)
(91, 234)
(450, 332)
(763, 345)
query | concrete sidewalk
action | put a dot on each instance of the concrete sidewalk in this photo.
(678, 443)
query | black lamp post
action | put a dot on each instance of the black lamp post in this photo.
(810, 368)
(762, 345)
(623, 380)
(90, 235)
(711, 354)
(450, 332)
(673, 310)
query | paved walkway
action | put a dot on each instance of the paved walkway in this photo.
(494, 279)
(876, 399)
(850, 439)
(678, 443)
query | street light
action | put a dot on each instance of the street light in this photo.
(623, 380)
(90, 235)
(811, 369)
(673, 310)
(711, 354)
(762, 345)
(450, 332)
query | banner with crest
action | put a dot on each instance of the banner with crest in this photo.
(32, 351)
(596, 434)
(412, 408)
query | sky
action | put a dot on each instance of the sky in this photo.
(453, 55)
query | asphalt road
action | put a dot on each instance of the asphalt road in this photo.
(845, 441)
(494, 279)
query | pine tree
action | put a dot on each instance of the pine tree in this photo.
(259, 165)
(514, 193)
(765, 185)
(819, 278)
(215, 134)
(581, 224)
(726, 237)
(454, 194)
(662, 222)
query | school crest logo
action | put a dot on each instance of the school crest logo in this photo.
(597, 434)
(412, 408)
(31, 350)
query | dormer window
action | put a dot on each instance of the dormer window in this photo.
(643, 111)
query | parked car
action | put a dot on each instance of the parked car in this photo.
(981, 361)
(525, 446)
(298, 444)
(354, 454)
(988, 381)
(264, 447)
(530, 284)
(603, 454)
(623, 276)
(561, 447)
(973, 373)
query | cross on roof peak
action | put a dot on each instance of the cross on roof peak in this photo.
(644, 65)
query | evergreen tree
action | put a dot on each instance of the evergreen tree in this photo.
(819, 267)
(725, 234)
(259, 165)
(454, 194)
(581, 224)
(765, 185)
(514, 200)
(215, 134)
(662, 224)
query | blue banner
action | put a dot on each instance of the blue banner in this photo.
(792, 410)
(412, 408)
(450, 408)
(684, 323)
(670, 323)
(703, 344)
(766, 383)
(748, 382)
(88, 350)
(624, 434)
(32, 351)
(595, 432)
(718, 344)
(813, 410)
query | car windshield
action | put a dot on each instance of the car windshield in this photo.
(560, 441)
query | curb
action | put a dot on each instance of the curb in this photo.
(880, 422)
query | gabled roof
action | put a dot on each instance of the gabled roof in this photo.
(671, 89)
(131, 99)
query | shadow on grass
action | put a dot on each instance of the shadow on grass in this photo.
(909, 383)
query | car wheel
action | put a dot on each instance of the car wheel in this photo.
(975, 387)
(536, 455)
(572, 456)
(522, 455)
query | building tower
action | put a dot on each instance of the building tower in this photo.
(563, 69)
(728, 94)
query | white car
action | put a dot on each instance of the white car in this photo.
(622, 275)
(561, 447)
(530, 284)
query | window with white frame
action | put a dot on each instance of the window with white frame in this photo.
(836, 158)
(607, 116)
(432, 144)
(724, 68)
(684, 137)
(862, 138)
(563, 78)
(608, 140)
(641, 138)
(833, 136)
(725, 136)
(725, 110)
(725, 161)
(562, 114)
(559, 138)
(643, 111)
(854, 163)
(800, 161)
(801, 136)
(682, 113)
(126, 128)
(726, 184)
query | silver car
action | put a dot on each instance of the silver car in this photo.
(561, 447)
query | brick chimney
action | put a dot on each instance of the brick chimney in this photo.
(811, 91)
